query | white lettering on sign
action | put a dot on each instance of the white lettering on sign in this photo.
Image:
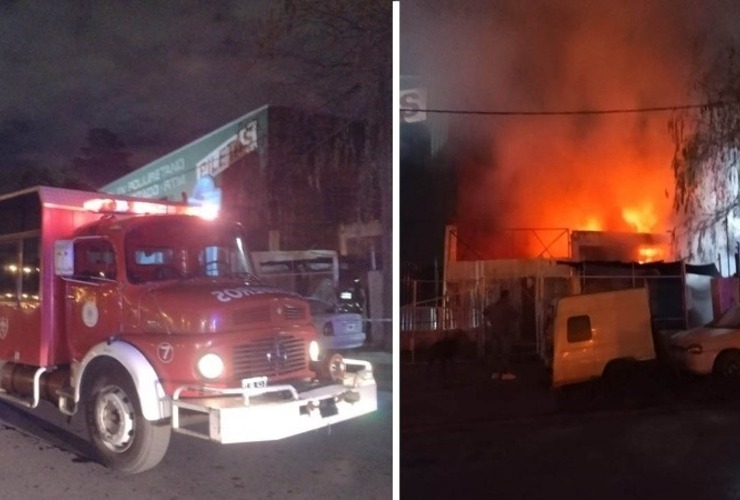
(140, 182)
(413, 100)
(173, 168)
(214, 163)
(3, 327)
(147, 183)
(248, 137)
(175, 183)
(228, 294)
(150, 192)
(230, 151)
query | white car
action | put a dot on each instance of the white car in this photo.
(339, 327)
(713, 348)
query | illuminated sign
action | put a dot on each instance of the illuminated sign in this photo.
(193, 172)
(412, 101)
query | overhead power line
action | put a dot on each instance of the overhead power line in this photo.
(566, 112)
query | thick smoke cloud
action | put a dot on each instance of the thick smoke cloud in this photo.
(579, 171)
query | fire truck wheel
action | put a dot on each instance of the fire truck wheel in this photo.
(124, 439)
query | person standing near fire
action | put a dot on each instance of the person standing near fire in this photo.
(501, 322)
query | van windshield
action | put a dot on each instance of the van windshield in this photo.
(186, 247)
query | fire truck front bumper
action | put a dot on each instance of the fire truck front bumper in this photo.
(261, 412)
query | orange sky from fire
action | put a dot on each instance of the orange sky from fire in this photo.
(576, 172)
(542, 178)
(608, 172)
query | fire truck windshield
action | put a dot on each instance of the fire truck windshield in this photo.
(185, 248)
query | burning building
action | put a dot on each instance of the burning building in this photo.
(563, 158)
(619, 246)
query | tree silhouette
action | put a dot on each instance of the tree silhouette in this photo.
(339, 56)
(705, 160)
(102, 160)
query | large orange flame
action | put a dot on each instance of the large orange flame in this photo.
(650, 253)
(540, 178)
(641, 218)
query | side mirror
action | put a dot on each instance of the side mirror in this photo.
(64, 258)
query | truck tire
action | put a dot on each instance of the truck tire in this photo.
(727, 366)
(621, 375)
(123, 438)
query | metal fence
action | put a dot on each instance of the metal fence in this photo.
(422, 326)
(425, 323)
(421, 318)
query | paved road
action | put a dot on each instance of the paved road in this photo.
(44, 456)
(468, 437)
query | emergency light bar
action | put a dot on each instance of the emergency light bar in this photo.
(115, 206)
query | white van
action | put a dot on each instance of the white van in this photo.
(595, 332)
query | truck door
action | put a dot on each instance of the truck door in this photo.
(93, 306)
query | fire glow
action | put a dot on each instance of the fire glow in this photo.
(526, 181)
(551, 187)
(646, 253)
(642, 219)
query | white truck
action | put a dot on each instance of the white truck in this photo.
(596, 334)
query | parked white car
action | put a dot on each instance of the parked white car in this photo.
(339, 327)
(713, 348)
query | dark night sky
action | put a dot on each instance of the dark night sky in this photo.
(158, 74)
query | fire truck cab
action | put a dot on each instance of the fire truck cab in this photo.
(149, 318)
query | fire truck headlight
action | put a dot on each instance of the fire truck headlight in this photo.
(313, 350)
(210, 366)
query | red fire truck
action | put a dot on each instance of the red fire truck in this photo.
(149, 319)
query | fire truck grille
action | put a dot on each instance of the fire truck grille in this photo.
(269, 356)
(253, 315)
(294, 313)
(263, 314)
